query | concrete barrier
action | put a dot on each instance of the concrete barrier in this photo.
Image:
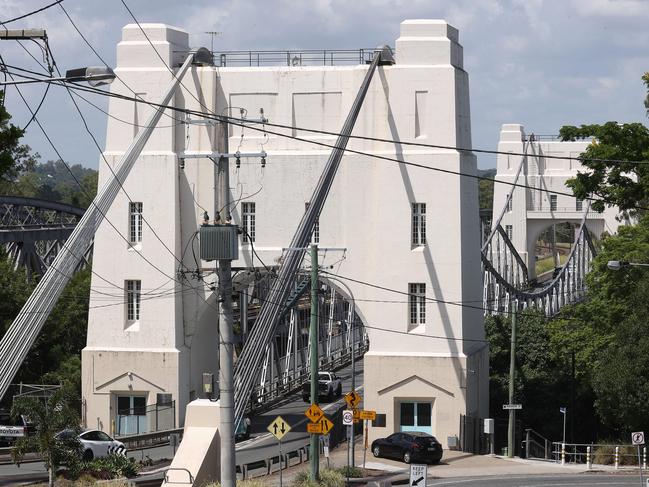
(276, 463)
(294, 457)
(199, 452)
(256, 469)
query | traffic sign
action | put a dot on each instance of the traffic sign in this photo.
(348, 417)
(637, 438)
(314, 428)
(326, 425)
(353, 399)
(417, 475)
(368, 415)
(314, 413)
(357, 415)
(512, 406)
(279, 427)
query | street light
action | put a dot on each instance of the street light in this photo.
(94, 76)
(616, 265)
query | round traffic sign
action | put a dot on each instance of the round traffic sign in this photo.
(348, 417)
(637, 438)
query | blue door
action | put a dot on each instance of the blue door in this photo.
(416, 416)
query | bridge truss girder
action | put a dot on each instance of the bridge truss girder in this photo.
(286, 358)
(33, 232)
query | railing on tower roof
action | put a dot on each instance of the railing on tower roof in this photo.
(302, 57)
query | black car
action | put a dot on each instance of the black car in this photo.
(408, 447)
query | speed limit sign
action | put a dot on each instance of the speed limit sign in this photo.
(348, 417)
(637, 438)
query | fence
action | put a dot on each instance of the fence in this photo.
(473, 439)
(600, 454)
(537, 446)
(156, 417)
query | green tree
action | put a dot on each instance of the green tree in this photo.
(63, 336)
(622, 184)
(608, 331)
(14, 156)
(50, 417)
(486, 188)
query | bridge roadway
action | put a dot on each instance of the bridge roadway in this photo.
(260, 446)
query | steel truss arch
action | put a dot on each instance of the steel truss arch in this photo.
(286, 357)
(568, 286)
(33, 231)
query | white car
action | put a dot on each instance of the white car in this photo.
(95, 443)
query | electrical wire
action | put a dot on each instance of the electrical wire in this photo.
(234, 121)
(96, 53)
(32, 12)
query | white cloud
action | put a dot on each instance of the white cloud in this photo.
(536, 62)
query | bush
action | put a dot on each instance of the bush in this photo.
(605, 455)
(331, 478)
(328, 478)
(351, 472)
(104, 468)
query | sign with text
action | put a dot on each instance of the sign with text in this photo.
(512, 406)
(368, 415)
(417, 475)
(348, 417)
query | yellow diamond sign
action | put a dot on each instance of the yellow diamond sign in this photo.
(279, 427)
(353, 399)
(314, 413)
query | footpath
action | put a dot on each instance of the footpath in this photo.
(453, 464)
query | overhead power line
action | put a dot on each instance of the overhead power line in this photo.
(31, 13)
(253, 126)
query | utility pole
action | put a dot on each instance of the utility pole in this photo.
(226, 346)
(314, 451)
(350, 459)
(512, 376)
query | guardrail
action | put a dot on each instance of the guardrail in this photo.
(148, 440)
(600, 454)
(313, 57)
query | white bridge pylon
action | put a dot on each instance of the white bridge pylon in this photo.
(536, 199)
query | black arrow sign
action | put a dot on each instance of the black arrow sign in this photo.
(283, 427)
(415, 482)
(275, 428)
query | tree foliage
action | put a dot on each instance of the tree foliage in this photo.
(613, 173)
(50, 417)
(14, 156)
(486, 188)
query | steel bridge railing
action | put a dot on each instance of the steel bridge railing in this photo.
(309, 57)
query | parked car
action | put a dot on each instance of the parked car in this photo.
(329, 385)
(409, 446)
(13, 428)
(94, 443)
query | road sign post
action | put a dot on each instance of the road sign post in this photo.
(637, 438)
(314, 450)
(279, 428)
(417, 475)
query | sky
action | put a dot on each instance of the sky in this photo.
(539, 63)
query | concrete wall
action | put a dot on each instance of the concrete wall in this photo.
(530, 210)
(424, 97)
